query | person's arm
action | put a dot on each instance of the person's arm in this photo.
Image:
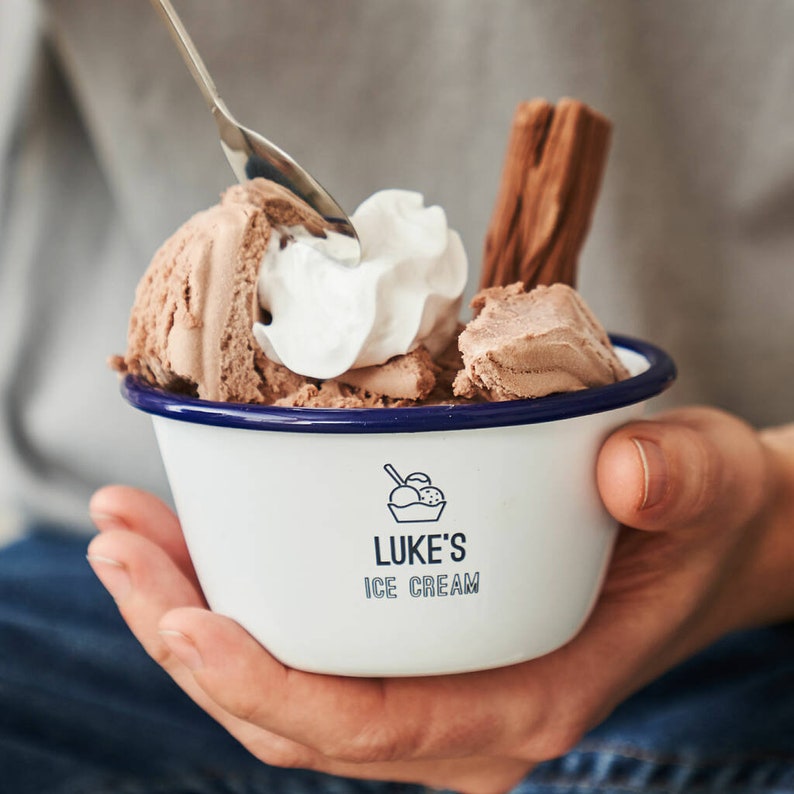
(710, 503)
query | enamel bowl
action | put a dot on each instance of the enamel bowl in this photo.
(400, 541)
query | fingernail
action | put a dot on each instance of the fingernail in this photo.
(114, 575)
(183, 648)
(654, 465)
(107, 521)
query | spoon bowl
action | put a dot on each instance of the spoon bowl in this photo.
(252, 155)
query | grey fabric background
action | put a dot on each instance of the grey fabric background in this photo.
(106, 147)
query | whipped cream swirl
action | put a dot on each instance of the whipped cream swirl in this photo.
(328, 318)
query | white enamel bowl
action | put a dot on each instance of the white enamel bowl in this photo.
(407, 541)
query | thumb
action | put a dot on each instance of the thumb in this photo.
(692, 466)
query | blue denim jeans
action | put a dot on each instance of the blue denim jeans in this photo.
(83, 710)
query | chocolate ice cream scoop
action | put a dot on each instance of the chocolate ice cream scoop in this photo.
(530, 344)
(190, 326)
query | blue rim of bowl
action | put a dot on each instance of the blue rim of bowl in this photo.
(659, 375)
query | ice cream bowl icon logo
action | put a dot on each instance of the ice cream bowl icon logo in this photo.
(297, 532)
(415, 499)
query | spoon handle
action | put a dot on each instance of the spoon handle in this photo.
(394, 474)
(189, 54)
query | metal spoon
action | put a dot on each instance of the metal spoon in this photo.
(251, 155)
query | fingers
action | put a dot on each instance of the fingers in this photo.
(160, 605)
(144, 581)
(146, 584)
(121, 507)
(352, 720)
(692, 467)
(248, 682)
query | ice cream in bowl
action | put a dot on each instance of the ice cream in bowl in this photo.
(367, 485)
